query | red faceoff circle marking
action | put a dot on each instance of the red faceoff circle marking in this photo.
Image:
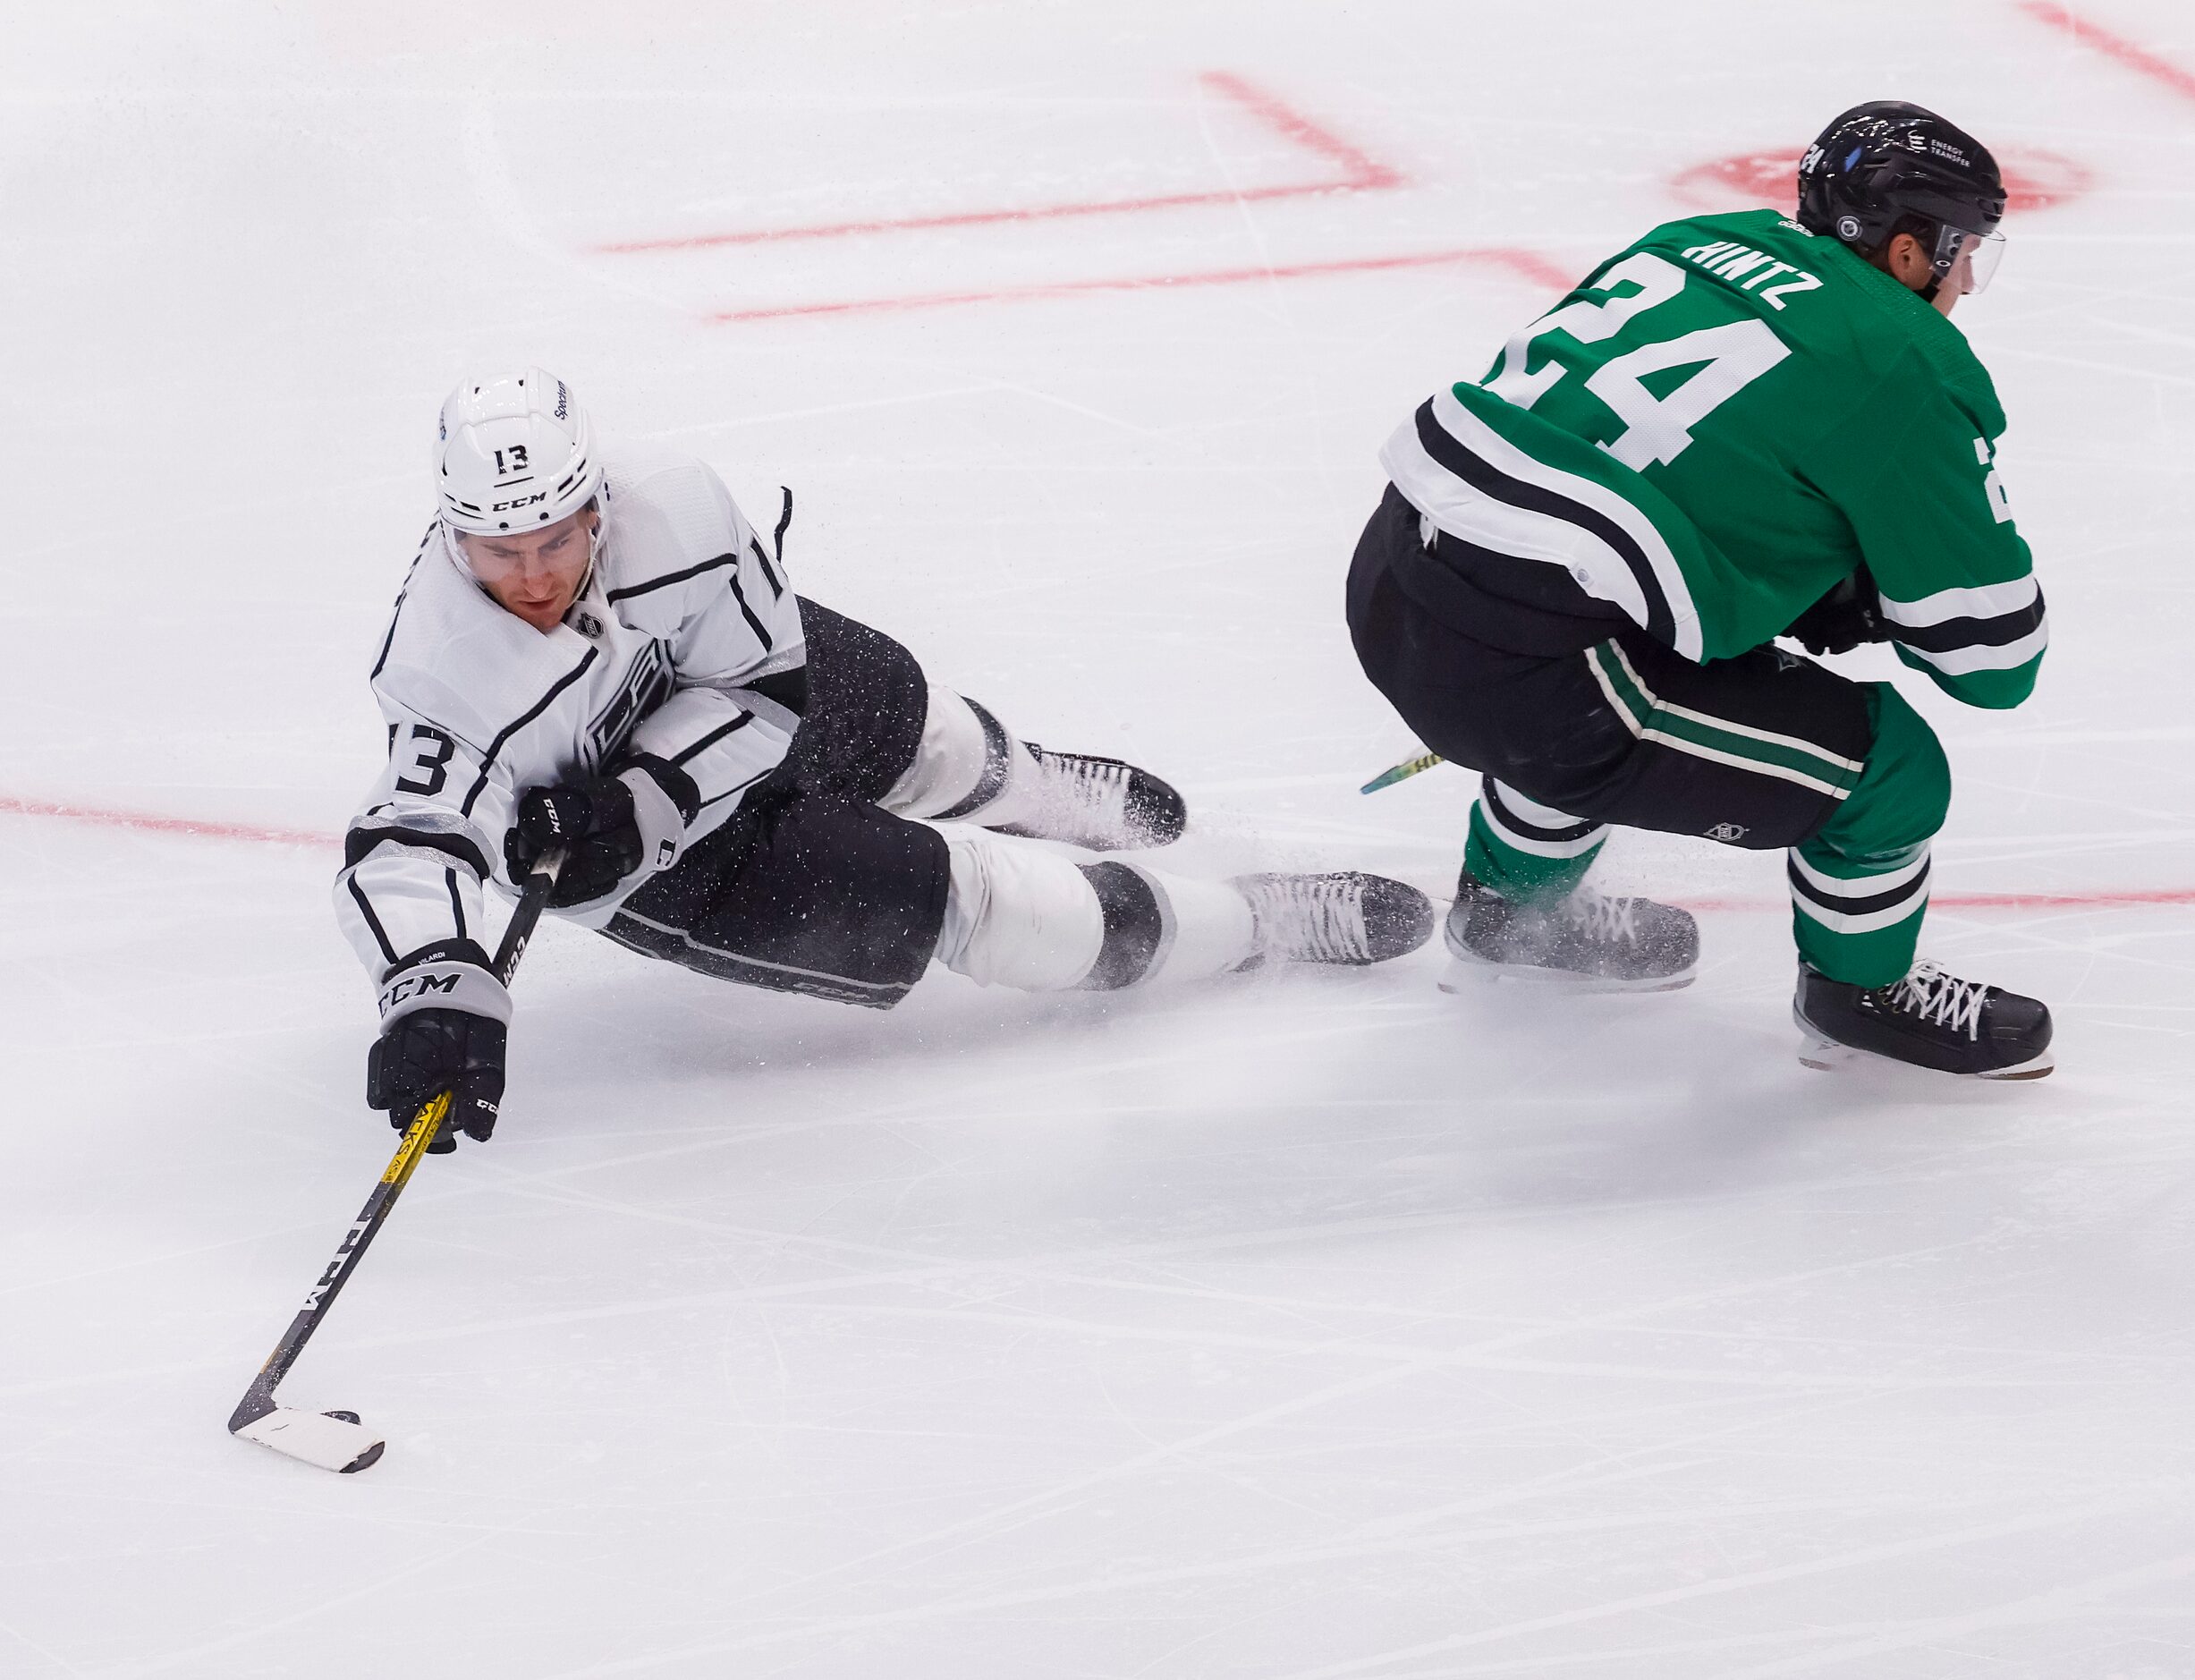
(2033, 181)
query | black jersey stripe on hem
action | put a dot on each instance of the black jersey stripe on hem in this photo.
(669, 578)
(1450, 452)
(729, 792)
(714, 736)
(495, 746)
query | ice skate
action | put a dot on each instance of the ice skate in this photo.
(1345, 918)
(1929, 1019)
(1100, 804)
(1586, 941)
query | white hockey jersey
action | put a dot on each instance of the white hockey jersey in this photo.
(684, 613)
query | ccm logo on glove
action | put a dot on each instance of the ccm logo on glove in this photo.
(615, 830)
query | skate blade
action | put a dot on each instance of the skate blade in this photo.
(2041, 1067)
(1467, 974)
(1826, 1055)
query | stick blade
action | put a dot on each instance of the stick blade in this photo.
(317, 1438)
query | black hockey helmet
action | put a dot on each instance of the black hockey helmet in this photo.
(1887, 168)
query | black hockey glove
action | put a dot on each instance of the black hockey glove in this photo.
(1848, 614)
(611, 827)
(444, 1023)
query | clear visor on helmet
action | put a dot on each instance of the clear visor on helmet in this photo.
(562, 552)
(1964, 259)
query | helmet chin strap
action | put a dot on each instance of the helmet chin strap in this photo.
(595, 541)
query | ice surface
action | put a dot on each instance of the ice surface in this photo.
(1318, 1326)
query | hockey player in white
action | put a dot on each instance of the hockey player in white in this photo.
(594, 650)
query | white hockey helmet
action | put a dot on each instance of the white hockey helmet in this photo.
(516, 451)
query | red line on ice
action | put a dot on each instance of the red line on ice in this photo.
(262, 834)
(1533, 267)
(106, 817)
(2135, 57)
(2106, 899)
(1359, 174)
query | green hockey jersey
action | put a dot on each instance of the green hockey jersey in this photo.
(1720, 425)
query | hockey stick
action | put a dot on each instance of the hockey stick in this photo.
(337, 1440)
(1401, 772)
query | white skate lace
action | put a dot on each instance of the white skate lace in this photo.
(1315, 921)
(1934, 997)
(1087, 794)
(1602, 920)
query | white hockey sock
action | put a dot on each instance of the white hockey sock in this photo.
(968, 765)
(1209, 928)
(1020, 915)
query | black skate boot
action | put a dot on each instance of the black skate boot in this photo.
(1586, 942)
(1344, 917)
(1100, 804)
(1930, 1019)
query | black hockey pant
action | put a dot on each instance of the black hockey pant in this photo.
(1766, 750)
(810, 886)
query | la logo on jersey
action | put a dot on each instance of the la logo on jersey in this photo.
(645, 683)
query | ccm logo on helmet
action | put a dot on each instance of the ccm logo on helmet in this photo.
(523, 501)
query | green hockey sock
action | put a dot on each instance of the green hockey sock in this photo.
(1860, 886)
(1526, 851)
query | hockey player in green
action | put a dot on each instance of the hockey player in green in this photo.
(1744, 427)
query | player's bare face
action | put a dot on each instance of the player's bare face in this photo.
(535, 573)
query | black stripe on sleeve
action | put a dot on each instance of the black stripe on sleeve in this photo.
(753, 624)
(741, 788)
(358, 844)
(373, 921)
(669, 578)
(457, 904)
(784, 522)
(389, 640)
(714, 736)
(1484, 477)
(1954, 633)
(777, 588)
(495, 746)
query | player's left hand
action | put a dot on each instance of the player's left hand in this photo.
(1848, 614)
(612, 829)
